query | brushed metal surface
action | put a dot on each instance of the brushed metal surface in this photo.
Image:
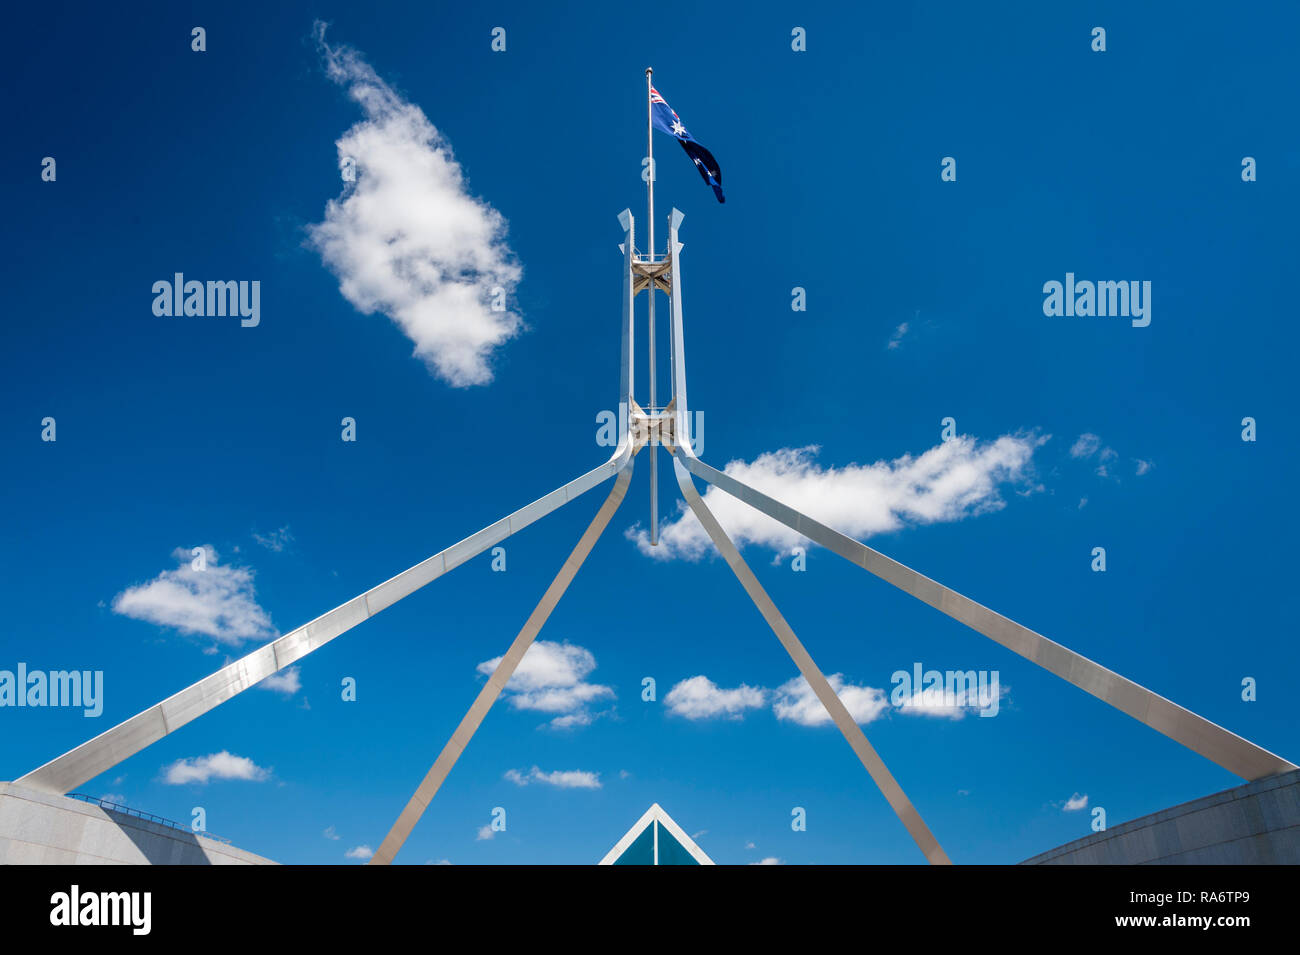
(77, 766)
(1227, 749)
(469, 725)
(853, 735)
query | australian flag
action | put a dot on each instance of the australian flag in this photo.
(669, 122)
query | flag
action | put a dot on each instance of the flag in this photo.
(667, 121)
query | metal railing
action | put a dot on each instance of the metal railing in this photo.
(146, 816)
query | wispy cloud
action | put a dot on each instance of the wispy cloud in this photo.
(1075, 803)
(570, 720)
(222, 765)
(952, 481)
(770, 860)
(329, 833)
(700, 698)
(359, 852)
(276, 540)
(896, 339)
(1089, 445)
(1085, 446)
(560, 779)
(552, 678)
(485, 833)
(407, 239)
(1104, 457)
(217, 601)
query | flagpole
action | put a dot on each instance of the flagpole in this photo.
(650, 154)
(650, 292)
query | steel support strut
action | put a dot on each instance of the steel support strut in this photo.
(77, 766)
(1232, 752)
(469, 725)
(835, 707)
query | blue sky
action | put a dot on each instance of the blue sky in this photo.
(178, 432)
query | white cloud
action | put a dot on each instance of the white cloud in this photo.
(1143, 466)
(329, 833)
(359, 852)
(276, 540)
(116, 799)
(484, 833)
(217, 602)
(796, 702)
(793, 701)
(1076, 802)
(560, 779)
(956, 479)
(770, 860)
(750, 845)
(700, 698)
(222, 765)
(287, 681)
(407, 239)
(551, 678)
(896, 339)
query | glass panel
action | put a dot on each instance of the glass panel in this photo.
(641, 851)
(672, 852)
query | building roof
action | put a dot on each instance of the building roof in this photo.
(656, 839)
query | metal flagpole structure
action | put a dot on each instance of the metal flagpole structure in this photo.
(638, 427)
(1207, 739)
(650, 307)
(680, 445)
(839, 713)
(433, 781)
(100, 754)
(65, 773)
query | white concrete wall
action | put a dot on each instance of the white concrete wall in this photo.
(1254, 824)
(38, 828)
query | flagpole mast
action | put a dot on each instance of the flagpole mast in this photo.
(650, 292)
(650, 181)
